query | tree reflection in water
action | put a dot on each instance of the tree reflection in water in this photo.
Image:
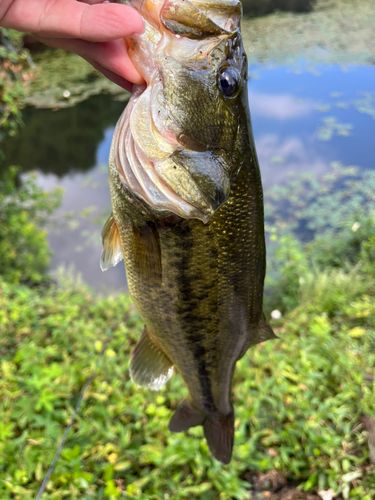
(64, 141)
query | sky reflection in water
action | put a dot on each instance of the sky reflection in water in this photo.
(302, 121)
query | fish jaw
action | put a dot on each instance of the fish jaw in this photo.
(174, 144)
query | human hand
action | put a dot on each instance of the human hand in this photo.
(91, 28)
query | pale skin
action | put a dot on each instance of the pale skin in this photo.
(91, 28)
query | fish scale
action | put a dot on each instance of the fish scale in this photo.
(195, 265)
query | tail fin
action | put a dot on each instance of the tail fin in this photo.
(218, 429)
(219, 434)
(184, 417)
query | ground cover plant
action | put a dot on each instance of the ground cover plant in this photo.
(12, 82)
(24, 250)
(299, 400)
(318, 223)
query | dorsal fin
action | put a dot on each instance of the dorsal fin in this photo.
(112, 251)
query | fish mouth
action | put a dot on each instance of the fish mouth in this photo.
(161, 156)
(155, 167)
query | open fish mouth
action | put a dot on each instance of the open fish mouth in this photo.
(173, 144)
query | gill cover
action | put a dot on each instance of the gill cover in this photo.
(174, 145)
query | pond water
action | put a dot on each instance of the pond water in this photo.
(303, 120)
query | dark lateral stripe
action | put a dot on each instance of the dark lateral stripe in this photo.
(192, 323)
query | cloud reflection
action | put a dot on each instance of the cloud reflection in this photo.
(297, 157)
(279, 106)
(65, 242)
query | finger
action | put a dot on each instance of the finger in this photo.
(92, 2)
(121, 82)
(112, 56)
(71, 19)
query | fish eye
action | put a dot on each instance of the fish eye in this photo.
(228, 81)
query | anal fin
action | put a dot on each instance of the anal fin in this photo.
(149, 366)
(112, 251)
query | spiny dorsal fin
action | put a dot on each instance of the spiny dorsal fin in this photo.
(149, 366)
(112, 251)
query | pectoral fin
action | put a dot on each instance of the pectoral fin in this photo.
(147, 256)
(149, 366)
(112, 251)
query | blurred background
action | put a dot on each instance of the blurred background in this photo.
(305, 404)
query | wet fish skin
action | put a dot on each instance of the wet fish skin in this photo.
(197, 286)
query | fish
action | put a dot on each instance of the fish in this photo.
(187, 209)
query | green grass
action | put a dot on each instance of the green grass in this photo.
(298, 400)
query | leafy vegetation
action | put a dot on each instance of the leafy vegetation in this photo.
(24, 250)
(12, 80)
(298, 401)
(335, 213)
(62, 79)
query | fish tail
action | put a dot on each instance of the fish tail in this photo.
(186, 416)
(218, 429)
(219, 434)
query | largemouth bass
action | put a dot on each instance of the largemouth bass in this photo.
(187, 209)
